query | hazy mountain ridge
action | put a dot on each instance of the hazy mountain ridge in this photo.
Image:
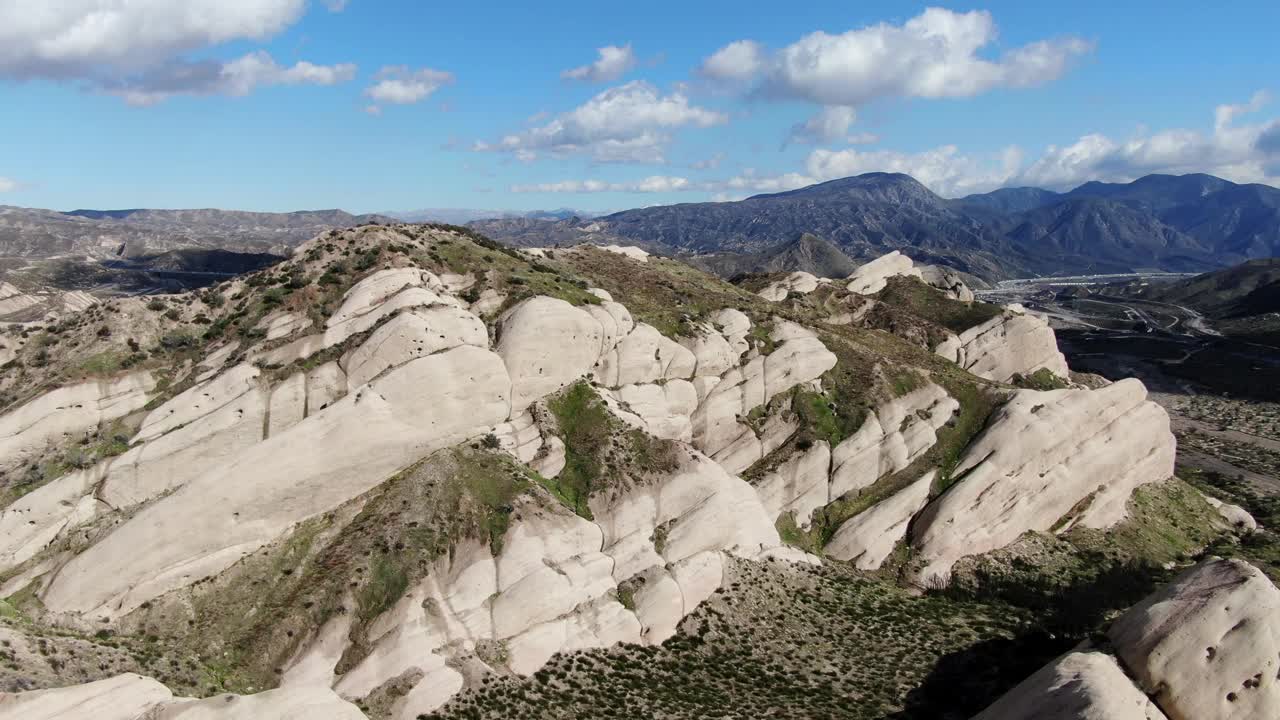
(1183, 223)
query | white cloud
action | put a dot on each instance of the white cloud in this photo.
(7, 185)
(134, 48)
(738, 61)
(933, 55)
(652, 184)
(238, 77)
(399, 85)
(1241, 153)
(612, 64)
(336, 6)
(828, 125)
(628, 123)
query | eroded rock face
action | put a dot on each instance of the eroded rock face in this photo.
(546, 344)
(57, 415)
(1042, 454)
(229, 511)
(1207, 646)
(1012, 343)
(123, 697)
(800, 283)
(871, 278)
(868, 538)
(948, 281)
(891, 438)
(1076, 686)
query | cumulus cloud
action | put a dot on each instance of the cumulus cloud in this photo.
(652, 184)
(828, 125)
(1237, 152)
(399, 85)
(7, 185)
(937, 54)
(738, 61)
(135, 48)
(238, 77)
(628, 123)
(613, 63)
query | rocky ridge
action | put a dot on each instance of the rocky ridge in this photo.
(440, 369)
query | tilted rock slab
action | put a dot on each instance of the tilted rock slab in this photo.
(1042, 454)
(1076, 686)
(868, 538)
(871, 278)
(123, 697)
(134, 697)
(948, 281)
(1207, 646)
(50, 419)
(207, 525)
(1012, 343)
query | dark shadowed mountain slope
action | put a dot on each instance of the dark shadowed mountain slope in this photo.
(1091, 235)
(1251, 288)
(808, 252)
(1237, 222)
(1009, 200)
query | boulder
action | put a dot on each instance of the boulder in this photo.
(1041, 455)
(1076, 686)
(948, 281)
(1237, 517)
(799, 282)
(871, 278)
(1207, 646)
(868, 538)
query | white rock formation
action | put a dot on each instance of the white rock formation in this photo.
(948, 281)
(282, 323)
(871, 278)
(1207, 646)
(629, 251)
(1011, 343)
(310, 703)
(868, 538)
(663, 411)
(799, 282)
(123, 697)
(890, 439)
(800, 485)
(52, 418)
(1237, 517)
(546, 344)
(1076, 686)
(1041, 455)
(231, 510)
(643, 356)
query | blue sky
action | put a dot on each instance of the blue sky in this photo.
(400, 104)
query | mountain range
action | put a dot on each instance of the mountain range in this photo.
(1187, 223)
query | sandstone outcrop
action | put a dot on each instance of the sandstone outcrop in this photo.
(48, 420)
(1236, 516)
(868, 538)
(1042, 454)
(1207, 646)
(123, 697)
(1076, 686)
(948, 281)
(871, 278)
(1012, 343)
(546, 344)
(800, 283)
